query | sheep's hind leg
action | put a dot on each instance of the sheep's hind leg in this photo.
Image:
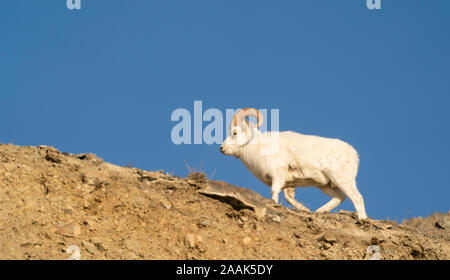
(337, 197)
(355, 196)
(348, 187)
(289, 194)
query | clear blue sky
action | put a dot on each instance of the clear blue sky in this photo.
(107, 78)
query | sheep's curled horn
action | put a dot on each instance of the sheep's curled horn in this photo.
(246, 112)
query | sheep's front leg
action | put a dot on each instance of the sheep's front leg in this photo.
(277, 186)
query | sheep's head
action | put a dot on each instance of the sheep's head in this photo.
(241, 131)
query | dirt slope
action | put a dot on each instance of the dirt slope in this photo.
(51, 200)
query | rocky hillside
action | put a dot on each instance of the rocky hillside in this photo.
(50, 201)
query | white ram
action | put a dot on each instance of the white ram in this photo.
(298, 160)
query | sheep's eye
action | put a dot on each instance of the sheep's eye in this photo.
(235, 133)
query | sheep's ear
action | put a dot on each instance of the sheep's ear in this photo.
(245, 124)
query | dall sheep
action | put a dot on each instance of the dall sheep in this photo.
(285, 160)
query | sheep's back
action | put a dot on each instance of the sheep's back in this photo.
(321, 153)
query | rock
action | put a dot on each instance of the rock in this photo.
(91, 181)
(274, 218)
(146, 176)
(443, 223)
(53, 157)
(155, 196)
(86, 204)
(244, 219)
(192, 240)
(376, 240)
(86, 156)
(239, 198)
(68, 230)
(325, 245)
(132, 220)
(328, 238)
(246, 240)
(26, 244)
(203, 223)
(68, 211)
(348, 213)
(257, 227)
(99, 247)
(52, 154)
(90, 248)
(197, 179)
(95, 177)
(165, 203)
